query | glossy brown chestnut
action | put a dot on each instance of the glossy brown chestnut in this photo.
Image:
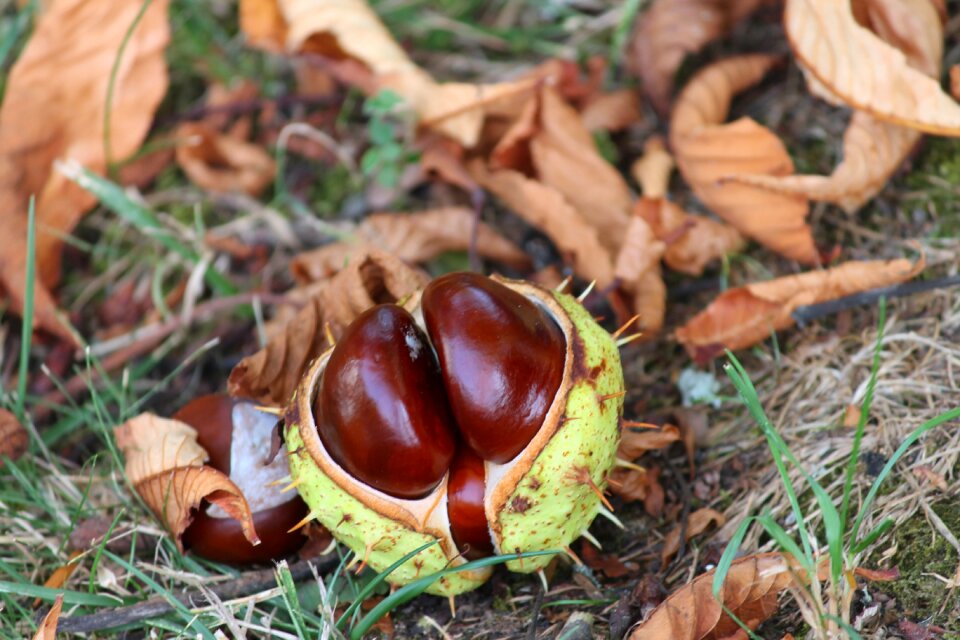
(502, 359)
(221, 539)
(465, 489)
(381, 412)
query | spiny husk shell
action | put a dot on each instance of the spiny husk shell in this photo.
(541, 500)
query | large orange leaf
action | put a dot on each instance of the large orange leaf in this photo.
(744, 316)
(271, 374)
(672, 29)
(707, 151)
(164, 463)
(414, 237)
(751, 591)
(856, 66)
(873, 149)
(53, 108)
(349, 29)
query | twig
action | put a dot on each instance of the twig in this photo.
(244, 585)
(537, 605)
(146, 338)
(810, 312)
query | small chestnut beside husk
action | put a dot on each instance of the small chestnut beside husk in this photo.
(542, 499)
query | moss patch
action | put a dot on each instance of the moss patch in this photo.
(920, 550)
(934, 180)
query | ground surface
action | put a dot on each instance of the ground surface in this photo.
(806, 381)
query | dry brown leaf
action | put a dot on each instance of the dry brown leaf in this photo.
(414, 237)
(672, 29)
(698, 522)
(611, 111)
(640, 251)
(634, 442)
(565, 158)
(858, 67)
(707, 151)
(874, 149)
(47, 630)
(648, 297)
(633, 484)
(271, 374)
(690, 241)
(744, 316)
(53, 108)
(164, 463)
(652, 170)
(349, 29)
(13, 437)
(750, 591)
(222, 163)
(608, 563)
(548, 210)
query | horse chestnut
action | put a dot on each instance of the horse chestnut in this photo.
(237, 438)
(504, 449)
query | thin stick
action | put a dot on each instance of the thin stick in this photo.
(244, 585)
(810, 312)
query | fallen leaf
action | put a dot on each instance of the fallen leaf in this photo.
(648, 297)
(634, 442)
(61, 574)
(698, 522)
(856, 66)
(672, 29)
(13, 437)
(47, 630)
(608, 563)
(611, 111)
(707, 151)
(929, 475)
(878, 575)
(652, 169)
(548, 210)
(271, 374)
(53, 108)
(564, 157)
(164, 463)
(744, 316)
(415, 237)
(349, 29)
(633, 484)
(691, 241)
(955, 81)
(222, 163)
(851, 416)
(640, 251)
(873, 149)
(751, 591)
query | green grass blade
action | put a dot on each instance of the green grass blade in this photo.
(412, 590)
(729, 555)
(288, 591)
(864, 414)
(786, 543)
(871, 537)
(26, 332)
(933, 423)
(113, 197)
(377, 581)
(69, 597)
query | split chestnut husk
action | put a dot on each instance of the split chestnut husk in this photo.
(527, 488)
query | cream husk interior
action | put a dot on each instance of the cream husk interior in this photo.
(381, 528)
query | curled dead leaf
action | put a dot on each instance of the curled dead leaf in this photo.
(47, 630)
(548, 210)
(698, 522)
(222, 163)
(639, 484)
(271, 374)
(856, 66)
(872, 148)
(53, 108)
(672, 29)
(634, 442)
(611, 111)
(652, 170)
(690, 241)
(13, 437)
(744, 316)
(751, 592)
(164, 463)
(414, 237)
(61, 574)
(707, 151)
(640, 251)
